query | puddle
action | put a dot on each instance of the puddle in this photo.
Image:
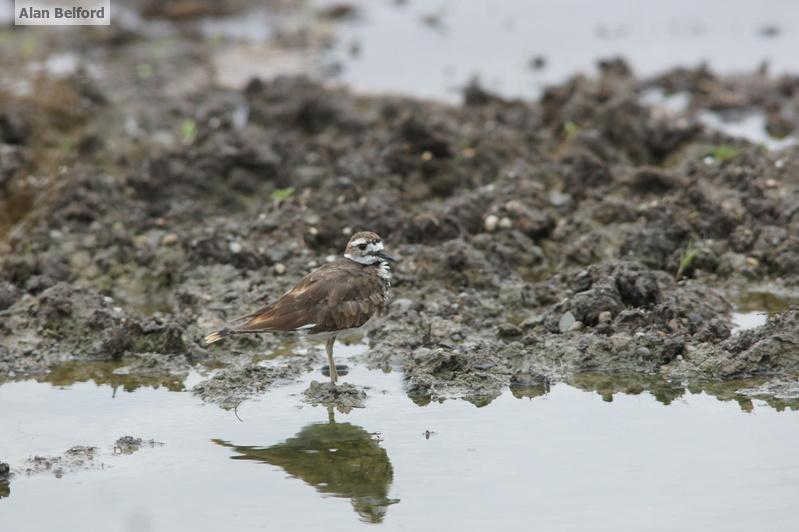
(750, 126)
(517, 47)
(753, 307)
(766, 300)
(666, 104)
(742, 321)
(279, 464)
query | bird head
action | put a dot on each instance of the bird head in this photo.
(366, 248)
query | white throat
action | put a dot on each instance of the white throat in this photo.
(383, 270)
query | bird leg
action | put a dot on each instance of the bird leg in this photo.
(329, 349)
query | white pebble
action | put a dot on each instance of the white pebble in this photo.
(491, 223)
(235, 247)
(280, 268)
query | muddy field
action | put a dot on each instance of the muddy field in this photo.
(597, 229)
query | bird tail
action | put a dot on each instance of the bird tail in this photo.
(216, 336)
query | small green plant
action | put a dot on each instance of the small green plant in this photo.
(571, 129)
(687, 259)
(188, 130)
(280, 194)
(724, 152)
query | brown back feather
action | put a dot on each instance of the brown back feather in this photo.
(339, 295)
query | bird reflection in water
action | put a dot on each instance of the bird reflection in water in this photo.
(339, 459)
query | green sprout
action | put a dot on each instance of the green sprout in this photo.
(280, 194)
(687, 259)
(571, 129)
(188, 130)
(724, 152)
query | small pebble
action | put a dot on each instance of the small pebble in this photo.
(491, 223)
(605, 316)
(566, 322)
(506, 223)
(347, 231)
(235, 247)
(169, 239)
(280, 268)
(576, 326)
(330, 258)
(509, 330)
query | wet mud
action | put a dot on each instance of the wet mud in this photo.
(591, 230)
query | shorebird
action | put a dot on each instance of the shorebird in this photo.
(336, 299)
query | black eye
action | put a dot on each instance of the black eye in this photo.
(361, 246)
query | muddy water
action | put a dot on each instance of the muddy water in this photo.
(754, 306)
(564, 460)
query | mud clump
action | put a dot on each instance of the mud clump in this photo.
(63, 322)
(130, 444)
(5, 480)
(78, 458)
(772, 349)
(441, 373)
(230, 386)
(344, 397)
(628, 297)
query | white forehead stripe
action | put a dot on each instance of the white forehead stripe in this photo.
(358, 242)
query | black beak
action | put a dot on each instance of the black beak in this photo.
(386, 256)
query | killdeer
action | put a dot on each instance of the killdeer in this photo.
(337, 298)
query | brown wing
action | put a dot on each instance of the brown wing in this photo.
(340, 295)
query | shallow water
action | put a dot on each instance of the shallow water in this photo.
(754, 305)
(436, 47)
(742, 321)
(568, 459)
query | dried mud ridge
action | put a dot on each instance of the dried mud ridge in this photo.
(583, 232)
